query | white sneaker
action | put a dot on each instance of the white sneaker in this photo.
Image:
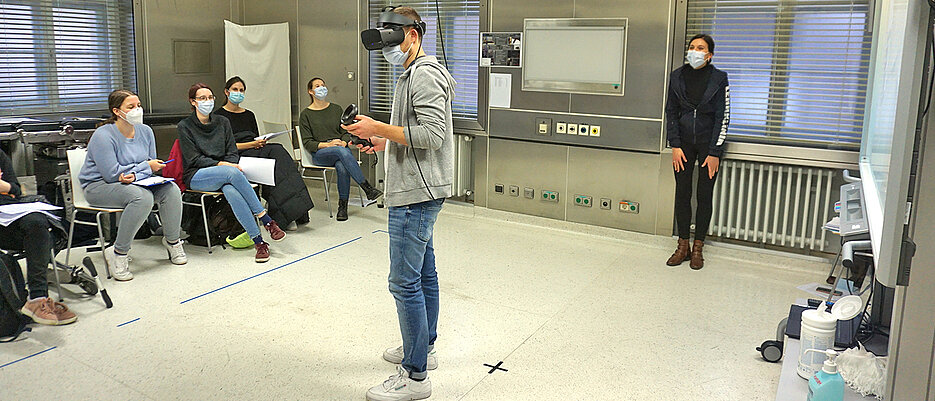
(292, 227)
(176, 253)
(395, 355)
(400, 387)
(119, 264)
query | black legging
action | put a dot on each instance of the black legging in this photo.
(683, 193)
(30, 233)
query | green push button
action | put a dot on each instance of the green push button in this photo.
(586, 201)
(632, 207)
(553, 196)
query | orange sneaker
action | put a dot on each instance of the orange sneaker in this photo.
(48, 312)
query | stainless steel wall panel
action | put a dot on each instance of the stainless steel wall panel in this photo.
(527, 165)
(616, 133)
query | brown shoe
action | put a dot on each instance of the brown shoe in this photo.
(262, 252)
(697, 257)
(276, 233)
(65, 316)
(44, 311)
(681, 253)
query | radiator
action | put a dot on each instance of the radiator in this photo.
(773, 204)
(463, 164)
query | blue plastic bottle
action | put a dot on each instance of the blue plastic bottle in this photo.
(826, 384)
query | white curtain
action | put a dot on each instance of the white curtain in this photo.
(260, 55)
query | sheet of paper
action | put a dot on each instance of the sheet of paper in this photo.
(272, 135)
(259, 170)
(152, 181)
(12, 212)
(501, 86)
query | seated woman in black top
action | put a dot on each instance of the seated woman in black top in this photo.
(31, 234)
(322, 135)
(288, 201)
(209, 158)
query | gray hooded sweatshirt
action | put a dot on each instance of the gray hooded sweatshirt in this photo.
(426, 106)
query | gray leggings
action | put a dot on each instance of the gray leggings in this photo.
(137, 202)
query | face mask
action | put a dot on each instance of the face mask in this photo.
(321, 92)
(235, 97)
(695, 58)
(395, 54)
(205, 106)
(134, 116)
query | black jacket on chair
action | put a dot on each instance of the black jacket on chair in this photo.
(706, 122)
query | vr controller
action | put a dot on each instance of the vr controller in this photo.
(348, 119)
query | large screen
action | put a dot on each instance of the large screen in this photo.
(889, 130)
(575, 55)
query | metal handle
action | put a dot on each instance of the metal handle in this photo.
(848, 178)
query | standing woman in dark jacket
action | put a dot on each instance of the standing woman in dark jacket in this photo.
(288, 200)
(210, 158)
(697, 115)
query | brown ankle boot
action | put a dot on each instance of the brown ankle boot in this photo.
(681, 253)
(697, 257)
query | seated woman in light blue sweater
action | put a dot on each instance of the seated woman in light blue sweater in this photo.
(123, 150)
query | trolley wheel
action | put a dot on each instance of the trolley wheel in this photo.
(771, 350)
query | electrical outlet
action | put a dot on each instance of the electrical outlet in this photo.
(560, 128)
(572, 129)
(605, 203)
(544, 126)
(595, 130)
(549, 196)
(529, 193)
(629, 207)
(584, 129)
(514, 190)
(583, 200)
(498, 188)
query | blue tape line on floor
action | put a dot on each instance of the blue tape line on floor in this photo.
(27, 357)
(380, 231)
(270, 270)
(126, 323)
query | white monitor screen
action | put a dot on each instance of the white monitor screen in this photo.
(580, 59)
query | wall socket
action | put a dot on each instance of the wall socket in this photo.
(549, 196)
(583, 200)
(529, 193)
(514, 190)
(605, 203)
(629, 207)
(544, 126)
(498, 188)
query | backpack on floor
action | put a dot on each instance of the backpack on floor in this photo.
(221, 222)
(12, 298)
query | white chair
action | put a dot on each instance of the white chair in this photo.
(305, 161)
(75, 161)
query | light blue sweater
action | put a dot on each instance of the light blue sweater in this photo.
(111, 154)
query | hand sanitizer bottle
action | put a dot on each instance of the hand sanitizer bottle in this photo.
(826, 384)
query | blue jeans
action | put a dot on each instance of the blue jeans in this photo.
(345, 166)
(236, 189)
(413, 281)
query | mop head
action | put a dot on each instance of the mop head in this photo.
(242, 241)
(864, 372)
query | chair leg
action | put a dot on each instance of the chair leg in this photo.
(324, 179)
(58, 281)
(71, 233)
(100, 240)
(204, 214)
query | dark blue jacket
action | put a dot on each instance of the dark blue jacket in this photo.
(687, 124)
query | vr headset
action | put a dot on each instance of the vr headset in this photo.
(390, 31)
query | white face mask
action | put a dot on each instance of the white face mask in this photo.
(696, 58)
(205, 107)
(134, 116)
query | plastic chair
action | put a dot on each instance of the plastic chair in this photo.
(305, 162)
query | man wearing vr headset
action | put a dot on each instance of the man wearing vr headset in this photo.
(419, 144)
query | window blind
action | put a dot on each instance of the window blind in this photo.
(64, 55)
(798, 69)
(460, 23)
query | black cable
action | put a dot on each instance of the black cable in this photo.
(441, 36)
(928, 103)
(408, 127)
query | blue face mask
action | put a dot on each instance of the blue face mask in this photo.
(395, 54)
(205, 107)
(321, 92)
(235, 97)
